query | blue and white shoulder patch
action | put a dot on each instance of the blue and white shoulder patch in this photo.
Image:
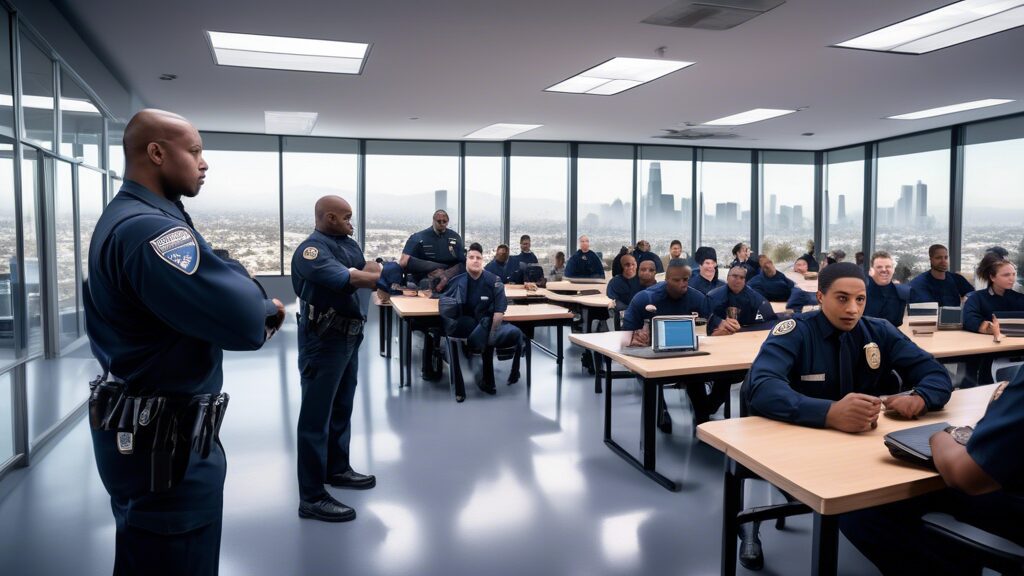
(179, 248)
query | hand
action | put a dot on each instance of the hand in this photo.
(383, 295)
(273, 323)
(910, 406)
(854, 413)
(997, 333)
(640, 337)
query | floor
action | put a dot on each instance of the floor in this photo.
(518, 483)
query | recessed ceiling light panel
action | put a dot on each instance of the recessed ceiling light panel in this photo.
(294, 123)
(501, 131)
(749, 117)
(617, 75)
(285, 53)
(952, 108)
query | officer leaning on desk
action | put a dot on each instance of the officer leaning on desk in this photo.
(327, 269)
(736, 306)
(829, 368)
(160, 309)
(886, 299)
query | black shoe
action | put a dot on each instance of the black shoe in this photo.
(326, 509)
(431, 376)
(513, 378)
(353, 480)
(487, 387)
(751, 554)
(665, 422)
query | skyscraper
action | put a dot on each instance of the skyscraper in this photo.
(441, 200)
(798, 217)
(771, 210)
(785, 217)
(905, 206)
(842, 208)
(921, 213)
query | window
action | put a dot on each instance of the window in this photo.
(405, 183)
(37, 93)
(844, 186)
(787, 202)
(6, 417)
(9, 352)
(725, 197)
(605, 197)
(66, 251)
(29, 295)
(81, 124)
(993, 180)
(314, 167)
(483, 196)
(665, 206)
(238, 209)
(90, 206)
(6, 85)
(115, 148)
(912, 207)
(539, 191)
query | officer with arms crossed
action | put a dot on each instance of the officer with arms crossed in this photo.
(584, 263)
(830, 368)
(327, 268)
(886, 299)
(160, 309)
(939, 284)
(749, 307)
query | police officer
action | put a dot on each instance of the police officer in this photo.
(802, 265)
(622, 288)
(642, 253)
(671, 297)
(327, 268)
(160, 308)
(985, 474)
(675, 250)
(1001, 276)
(479, 308)
(749, 307)
(502, 266)
(812, 263)
(830, 368)
(706, 279)
(800, 299)
(647, 274)
(886, 299)
(525, 256)
(584, 263)
(939, 284)
(391, 280)
(742, 256)
(771, 283)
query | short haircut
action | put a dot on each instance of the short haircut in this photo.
(475, 246)
(675, 263)
(440, 211)
(736, 249)
(990, 265)
(763, 257)
(935, 248)
(651, 262)
(805, 259)
(741, 267)
(524, 237)
(560, 254)
(834, 272)
(675, 243)
(500, 246)
(880, 254)
(582, 236)
(622, 260)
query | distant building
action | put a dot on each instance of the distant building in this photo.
(441, 200)
(842, 208)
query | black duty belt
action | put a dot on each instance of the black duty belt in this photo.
(329, 321)
(171, 428)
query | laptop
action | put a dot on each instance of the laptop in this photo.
(950, 318)
(911, 444)
(923, 313)
(1011, 323)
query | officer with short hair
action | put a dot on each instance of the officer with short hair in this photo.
(525, 256)
(939, 284)
(801, 265)
(502, 266)
(437, 247)
(642, 253)
(621, 289)
(750, 308)
(327, 269)
(772, 284)
(886, 299)
(743, 256)
(808, 257)
(160, 309)
(584, 263)
(706, 278)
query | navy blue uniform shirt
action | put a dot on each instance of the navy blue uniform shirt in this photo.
(799, 298)
(692, 302)
(947, 292)
(981, 304)
(699, 283)
(622, 290)
(586, 265)
(391, 274)
(642, 256)
(754, 308)
(795, 377)
(752, 266)
(526, 257)
(446, 248)
(996, 442)
(479, 298)
(775, 289)
(505, 271)
(889, 301)
(320, 274)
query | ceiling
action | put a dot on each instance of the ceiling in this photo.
(458, 65)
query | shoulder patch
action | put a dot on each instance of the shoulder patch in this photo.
(179, 248)
(310, 253)
(784, 327)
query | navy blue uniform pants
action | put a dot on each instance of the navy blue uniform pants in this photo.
(476, 336)
(329, 366)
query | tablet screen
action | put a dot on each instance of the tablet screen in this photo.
(675, 334)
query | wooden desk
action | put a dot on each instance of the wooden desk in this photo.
(567, 285)
(530, 316)
(519, 292)
(385, 317)
(832, 472)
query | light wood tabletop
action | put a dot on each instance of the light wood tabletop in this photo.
(519, 292)
(589, 300)
(415, 306)
(567, 285)
(835, 472)
(375, 298)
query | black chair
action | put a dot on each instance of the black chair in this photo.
(455, 331)
(995, 552)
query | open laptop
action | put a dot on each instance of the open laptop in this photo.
(1011, 323)
(923, 313)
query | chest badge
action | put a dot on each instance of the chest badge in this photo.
(873, 355)
(179, 248)
(310, 253)
(784, 327)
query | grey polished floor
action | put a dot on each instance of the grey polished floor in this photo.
(514, 484)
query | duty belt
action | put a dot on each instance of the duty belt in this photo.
(175, 427)
(321, 323)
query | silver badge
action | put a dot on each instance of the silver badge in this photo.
(125, 442)
(873, 355)
(144, 417)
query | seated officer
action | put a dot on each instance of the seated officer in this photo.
(502, 266)
(480, 307)
(647, 274)
(985, 475)
(435, 248)
(706, 279)
(886, 299)
(1001, 276)
(800, 299)
(622, 288)
(771, 283)
(830, 368)
(584, 263)
(525, 256)
(750, 308)
(939, 284)
(643, 253)
(742, 256)
(671, 297)
(675, 250)
(801, 266)
(808, 257)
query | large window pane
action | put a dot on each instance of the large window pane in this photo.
(665, 210)
(65, 248)
(238, 209)
(6, 85)
(993, 181)
(787, 187)
(29, 294)
(483, 195)
(405, 183)
(37, 93)
(8, 269)
(90, 206)
(539, 183)
(912, 210)
(81, 124)
(115, 148)
(6, 418)
(725, 197)
(314, 167)
(605, 197)
(844, 184)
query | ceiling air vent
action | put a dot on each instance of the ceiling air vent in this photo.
(690, 134)
(711, 14)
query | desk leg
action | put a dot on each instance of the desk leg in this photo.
(381, 328)
(731, 503)
(558, 355)
(608, 399)
(825, 546)
(648, 422)
(407, 356)
(597, 372)
(391, 322)
(529, 354)
(401, 352)
(649, 403)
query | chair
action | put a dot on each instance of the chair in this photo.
(995, 552)
(457, 346)
(1006, 368)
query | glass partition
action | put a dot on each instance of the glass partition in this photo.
(787, 201)
(725, 200)
(604, 198)
(539, 195)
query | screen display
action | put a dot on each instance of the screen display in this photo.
(675, 334)
(949, 315)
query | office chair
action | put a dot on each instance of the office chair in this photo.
(995, 552)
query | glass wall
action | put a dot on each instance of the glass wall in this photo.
(8, 267)
(312, 168)
(90, 206)
(239, 207)
(844, 197)
(665, 205)
(539, 191)
(725, 200)
(65, 250)
(912, 208)
(29, 295)
(81, 124)
(787, 201)
(405, 183)
(604, 198)
(6, 84)
(483, 196)
(6, 418)
(115, 149)
(37, 93)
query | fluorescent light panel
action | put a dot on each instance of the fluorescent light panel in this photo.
(952, 108)
(501, 131)
(618, 75)
(46, 103)
(284, 53)
(748, 117)
(947, 26)
(297, 123)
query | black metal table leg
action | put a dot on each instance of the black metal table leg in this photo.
(407, 357)
(391, 321)
(402, 353)
(647, 447)
(597, 372)
(558, 355)
(731, 504)
(608, 399)
(380, 327)
(825, 545)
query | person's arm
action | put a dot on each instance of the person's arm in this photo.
(975, 320)
(931, 382)
(957, 468)
(770, 394)
(658, 268)
(963, 286)
(570, 267)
